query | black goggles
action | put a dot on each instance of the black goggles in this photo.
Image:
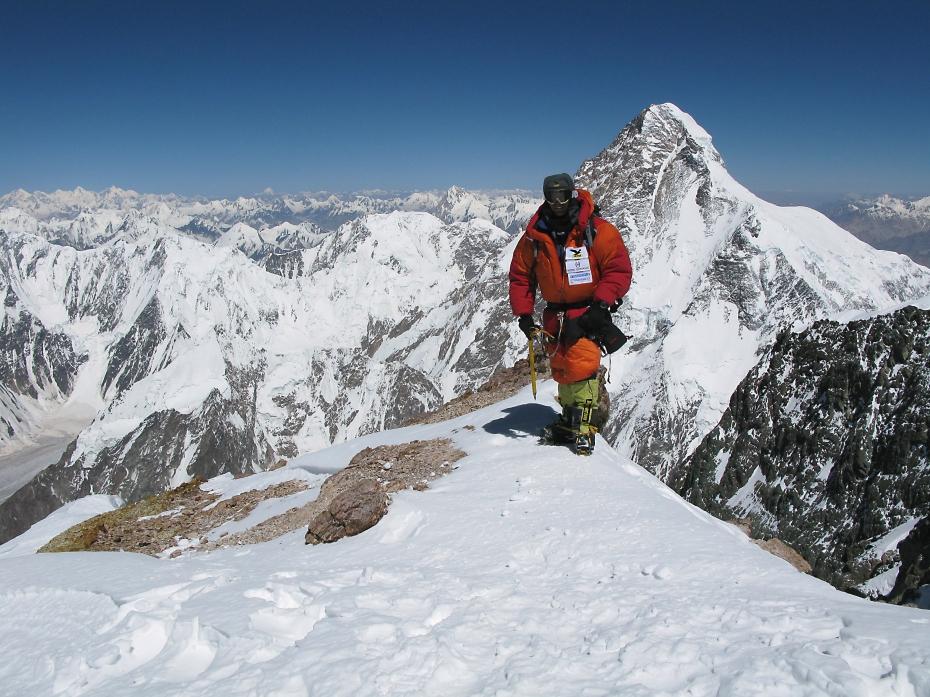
(559, 197)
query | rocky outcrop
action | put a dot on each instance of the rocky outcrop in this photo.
(913, 580)
(357, 497)
(504, 383)
(350, 512)
(825, 445)
(773, 546)
(187, 515)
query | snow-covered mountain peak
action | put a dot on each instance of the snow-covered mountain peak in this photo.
(887, 206)
(458, 204)
(138, 226)
(15, 220)
(242, 236)
(887, 222)
(718, 272)
(418, 245)
(421, 201)
(288, 236)
(626, 176)
(660, 119)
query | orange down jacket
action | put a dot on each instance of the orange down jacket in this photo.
(537, 263)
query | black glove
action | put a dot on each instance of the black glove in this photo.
(596, 318)
(527, 325)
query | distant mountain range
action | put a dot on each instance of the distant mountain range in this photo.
(886, 222)
(211, 218)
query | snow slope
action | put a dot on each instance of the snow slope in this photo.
(527, 571)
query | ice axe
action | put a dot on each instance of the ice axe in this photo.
(533, 335)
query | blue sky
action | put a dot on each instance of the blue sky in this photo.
(802, 98)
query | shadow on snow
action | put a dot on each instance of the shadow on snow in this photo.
(522, 420)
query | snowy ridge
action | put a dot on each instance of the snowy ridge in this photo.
(717, 273)
(600, 581)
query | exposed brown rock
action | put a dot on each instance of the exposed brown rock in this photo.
(155, 524)
(774, 546)
(783, 551)
(357, 497)
(599, 421)
(349, 502)
(744, 524)
(349, 513)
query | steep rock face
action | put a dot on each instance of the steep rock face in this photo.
(825, 445)
(34, 360)
(912, 584)
(717, 274)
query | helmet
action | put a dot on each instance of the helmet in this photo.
(557, 190)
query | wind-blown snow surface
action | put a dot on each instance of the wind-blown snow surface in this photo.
(527, 571)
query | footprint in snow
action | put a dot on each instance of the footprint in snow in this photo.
(658, 572)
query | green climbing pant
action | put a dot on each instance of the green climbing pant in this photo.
(581, 395)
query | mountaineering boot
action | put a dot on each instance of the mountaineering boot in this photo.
(559, 432)
(584, 431)
(574, 427)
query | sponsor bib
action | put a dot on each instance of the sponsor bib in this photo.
(578, 266)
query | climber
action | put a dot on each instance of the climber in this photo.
(582, 269)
